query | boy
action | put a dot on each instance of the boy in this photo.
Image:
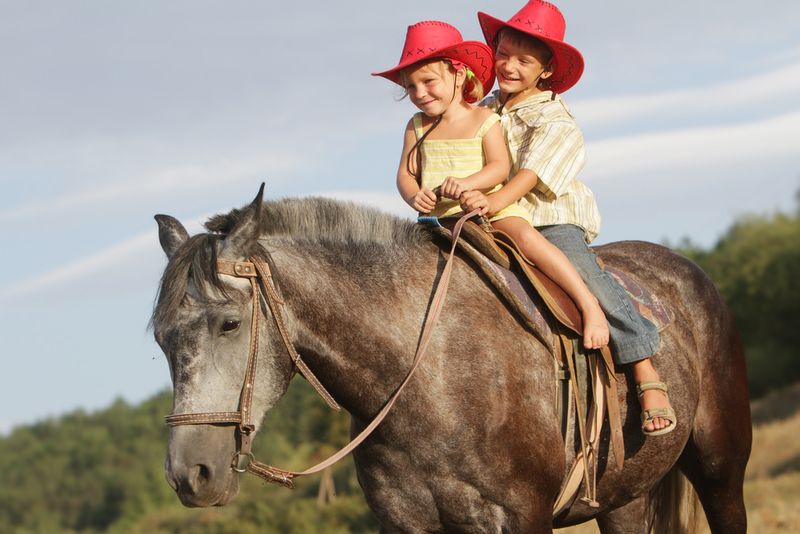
(533, 65)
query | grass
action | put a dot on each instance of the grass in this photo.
(772, 482)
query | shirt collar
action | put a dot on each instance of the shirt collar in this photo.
(538, 98)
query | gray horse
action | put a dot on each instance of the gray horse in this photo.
(473, 443)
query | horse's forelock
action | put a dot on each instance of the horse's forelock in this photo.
(195, 261)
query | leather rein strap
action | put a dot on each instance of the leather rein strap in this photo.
(243, 460)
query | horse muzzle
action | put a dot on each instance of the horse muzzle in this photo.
(198, 465)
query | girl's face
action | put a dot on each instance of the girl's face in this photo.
(433, 88)
(519, 66)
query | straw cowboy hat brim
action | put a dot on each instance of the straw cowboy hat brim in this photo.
(543, 21)
(430, 40)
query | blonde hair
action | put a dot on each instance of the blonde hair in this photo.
(472, 90)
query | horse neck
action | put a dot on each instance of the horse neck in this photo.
(355, 320)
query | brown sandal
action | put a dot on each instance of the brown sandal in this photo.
(648, 416)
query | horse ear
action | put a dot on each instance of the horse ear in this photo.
(171, 234)
(247, 230)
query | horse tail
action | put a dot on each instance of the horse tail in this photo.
(674, 507)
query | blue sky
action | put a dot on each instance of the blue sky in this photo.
(112, 112)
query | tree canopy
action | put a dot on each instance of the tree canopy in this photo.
(104, 472)
(756, 267)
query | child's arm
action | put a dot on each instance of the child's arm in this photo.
(517, 187)
(493, 172)
(422, 200)
(549, 164)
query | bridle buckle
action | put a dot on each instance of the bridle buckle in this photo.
(241, 460)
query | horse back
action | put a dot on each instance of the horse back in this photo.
(701, 360)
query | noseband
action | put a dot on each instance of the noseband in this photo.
(257, 270)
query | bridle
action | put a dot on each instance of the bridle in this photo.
(260, 276)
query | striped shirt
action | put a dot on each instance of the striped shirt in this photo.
(542, 137)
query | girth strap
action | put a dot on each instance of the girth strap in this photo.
(614, 418)
(588, 457)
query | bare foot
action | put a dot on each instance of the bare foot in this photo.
(595, 327)
(643, 371)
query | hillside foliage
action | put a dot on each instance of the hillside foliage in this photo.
(104, 472)
(756, 267)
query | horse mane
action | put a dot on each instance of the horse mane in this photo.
(318, 219)
(352, 229)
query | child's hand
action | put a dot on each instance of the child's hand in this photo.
(471, 200)
(452, 188)
(424, 201)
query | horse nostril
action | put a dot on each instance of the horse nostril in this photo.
(199, 475)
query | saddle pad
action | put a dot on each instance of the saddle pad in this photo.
(522, 293)
(647, 302)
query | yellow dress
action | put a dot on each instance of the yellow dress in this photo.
(458, 158)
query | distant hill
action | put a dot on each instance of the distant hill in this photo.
(103, 472)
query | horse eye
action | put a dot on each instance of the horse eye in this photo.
(230, 325)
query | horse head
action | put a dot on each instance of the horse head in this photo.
(203, 323)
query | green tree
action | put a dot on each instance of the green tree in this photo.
(756, 266)
(103, 472)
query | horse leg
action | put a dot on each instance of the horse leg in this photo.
(630, 518)
(716, 454)
(718, 481)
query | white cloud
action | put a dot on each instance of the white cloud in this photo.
(697, 148)
(170, 179)
(782, 84)
(126, 254)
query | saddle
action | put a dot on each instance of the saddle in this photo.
(587, 381)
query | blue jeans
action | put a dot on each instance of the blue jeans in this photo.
(633, 337)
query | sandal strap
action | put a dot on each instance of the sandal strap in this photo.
(648, 416)
(647, 386)
(664, 413)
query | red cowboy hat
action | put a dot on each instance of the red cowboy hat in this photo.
(545, 22)
(432, 39)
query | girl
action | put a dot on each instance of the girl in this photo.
(455, 147)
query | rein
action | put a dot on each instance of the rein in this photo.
(259, 274)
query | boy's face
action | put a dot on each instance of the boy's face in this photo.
(520, 65)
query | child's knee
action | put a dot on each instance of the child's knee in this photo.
(527, 238)
(520, 231)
